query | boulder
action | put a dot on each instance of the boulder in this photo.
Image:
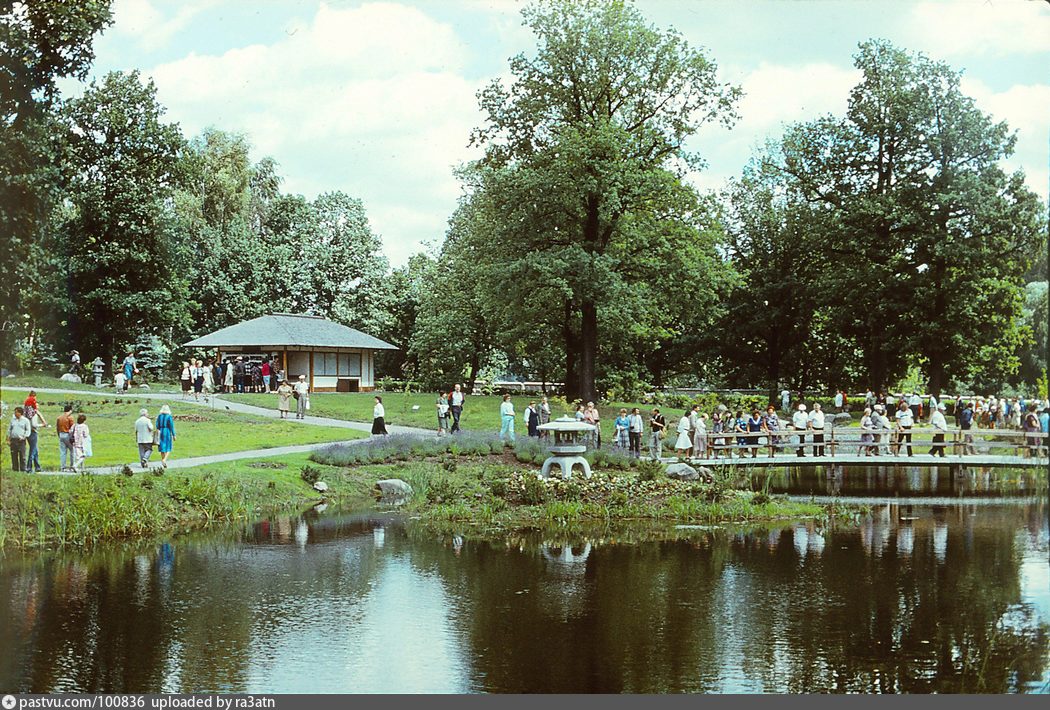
(394, 488)
(143, 386)
(69, 377)
(682, 472)
(842, 419)
(320, 486)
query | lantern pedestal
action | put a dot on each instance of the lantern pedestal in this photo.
(567, 449)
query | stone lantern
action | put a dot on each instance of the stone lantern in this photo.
(567, 449)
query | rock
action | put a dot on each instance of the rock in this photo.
(143, 386)
(706, 474)
(682, 472)
(69, 377)
(842, 419)
(320, 486)
(394, 487)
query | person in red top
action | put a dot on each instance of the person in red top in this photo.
(64, 424)
(264, 370)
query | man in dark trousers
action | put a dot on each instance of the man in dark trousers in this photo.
(456, 402)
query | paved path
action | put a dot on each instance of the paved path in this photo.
(218, 403)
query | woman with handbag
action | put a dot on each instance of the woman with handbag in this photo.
(284, 395)
(165, 434)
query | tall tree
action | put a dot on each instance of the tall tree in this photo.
(40, 42)
(115, 241)
(922, 217)
(591, 133)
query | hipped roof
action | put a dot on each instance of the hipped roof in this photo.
(289, 330)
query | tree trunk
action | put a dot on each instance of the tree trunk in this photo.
(570, 383)
(475, 363)
(588, 350)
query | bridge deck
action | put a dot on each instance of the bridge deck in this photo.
(973, 460)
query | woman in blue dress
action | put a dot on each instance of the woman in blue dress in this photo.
(165, 434)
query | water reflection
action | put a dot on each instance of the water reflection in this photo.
(915, 599)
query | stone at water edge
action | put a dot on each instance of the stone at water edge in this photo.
(394, 487)
(69, 377)
(682, 472)
(320, 486)
(706, 474)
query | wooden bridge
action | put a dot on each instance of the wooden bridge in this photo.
(840, 446)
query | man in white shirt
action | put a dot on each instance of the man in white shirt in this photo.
(905, 420)
(816, 423)
(914, 403)
(938, 422)
(457, 407)
(838, 401)
(144, 437)
(799, 422)
(302, 388)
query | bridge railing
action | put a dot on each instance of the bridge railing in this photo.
(854, 440)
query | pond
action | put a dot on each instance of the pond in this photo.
(941, 589)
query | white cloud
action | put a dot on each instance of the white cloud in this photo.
(1026, 108)
(149, 26)
(997, 27)
(369, 100)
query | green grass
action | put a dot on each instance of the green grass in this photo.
(44, 380)
(208, 431)
(83, 510)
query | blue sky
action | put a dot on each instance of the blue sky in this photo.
(378, 98)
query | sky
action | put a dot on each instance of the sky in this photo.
(378, 99)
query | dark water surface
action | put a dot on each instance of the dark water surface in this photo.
(930, 595)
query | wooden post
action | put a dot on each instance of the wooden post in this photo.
(310, 354)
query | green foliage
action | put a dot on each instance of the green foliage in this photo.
(534, 490)
(649, 470)
(310, 474)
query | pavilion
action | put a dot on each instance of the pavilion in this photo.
(334, 357)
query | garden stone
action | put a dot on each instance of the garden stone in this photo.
(69, 377)
(682, 472)
(394, 487)
(842, 419)
(143, 386)
(706, 475)
(320, 486)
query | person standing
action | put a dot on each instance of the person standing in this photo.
(18, 432)
(694, 415)
(197, 372)
(186, 379)
(165, 434)
(754, 425)
(378, 417)
(591, 416)
(1030, 424)
(905, 421)
(131, 368)
(238, 375)
(228, 377)
(64, 426)
(284, 394)
(81, 443)
(915, 405)
(938, 422)
(506, 414)
(838, 402)
(443, 411)
(532, 419)
(264, 371)
(456, 400)
(771, 425)
(785, 400)
(816, 423)
(966, 424)
(209, 379)
(866, 437)
(800, 422)
(545, 414)
(36, 422)
(74, 363)
(622, 431)
(635, 432)
(302, 397)
(684, 443)
(144, 437)
(657, 428)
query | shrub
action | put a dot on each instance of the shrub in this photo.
(441, 490)
(649, 470)
(534, 490)
(498, 488)
(310, 474)
(761, 499)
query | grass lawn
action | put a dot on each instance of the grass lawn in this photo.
(480, 412)
(44, 380)
(200, 431)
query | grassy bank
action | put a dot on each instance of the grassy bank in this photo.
(37, 511)
(40, 380)
(201, 431)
